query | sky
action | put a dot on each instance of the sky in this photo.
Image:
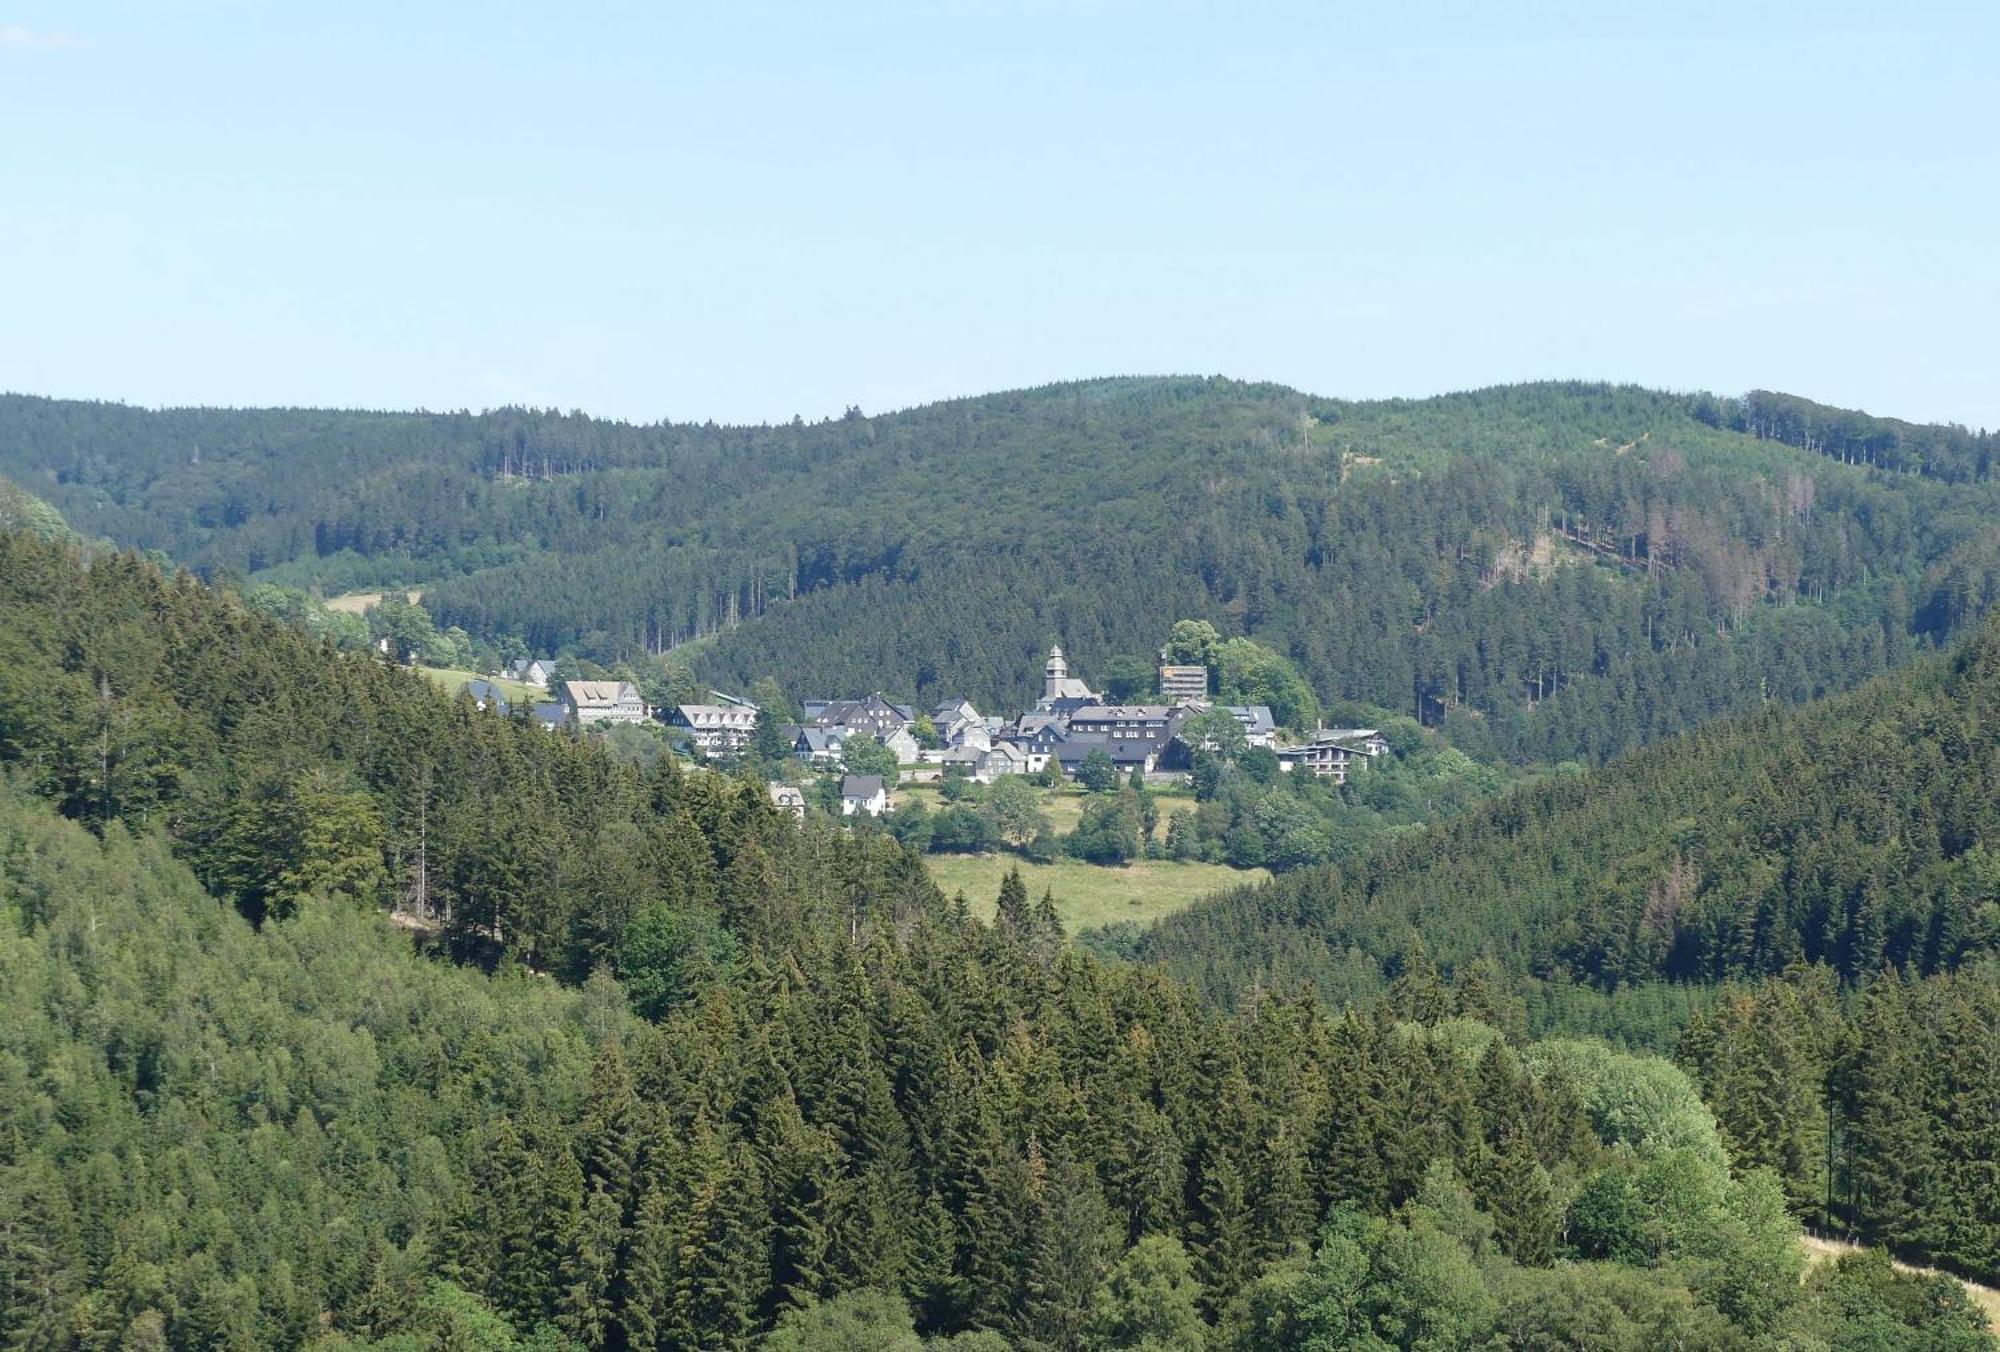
(748, 211)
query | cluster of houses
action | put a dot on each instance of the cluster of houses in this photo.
(576, 703)
(1067, 725)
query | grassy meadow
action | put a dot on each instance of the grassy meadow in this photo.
(453, 681)
(1088, 895)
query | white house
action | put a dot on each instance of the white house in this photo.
(587, 702)
(789, 798)
(1367, 741)
(1333, 753)
(863, 795)
(532, 671)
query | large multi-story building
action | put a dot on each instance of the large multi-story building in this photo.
(1333, 753)
(587, 702)
(1125, 722)
(717, 729)
(1178, 683)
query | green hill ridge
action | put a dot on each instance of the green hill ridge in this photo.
(1551, 572)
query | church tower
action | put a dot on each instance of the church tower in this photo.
(1055, 674)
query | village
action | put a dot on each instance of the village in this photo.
(1069, 731)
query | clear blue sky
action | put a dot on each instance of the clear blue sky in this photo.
(745, 211)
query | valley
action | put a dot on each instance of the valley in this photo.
(1648, 920)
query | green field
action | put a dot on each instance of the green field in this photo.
(1088, 895)
(1064, 806)
(360, 603)
(517, 692)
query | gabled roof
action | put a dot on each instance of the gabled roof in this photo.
(860, 787)
(1255, 718)
(716, 715)
(486, 692)
(1345, 735)
(1106, 713)
(1072, 695)
(818, 741)
(873, 713)
(599, 692)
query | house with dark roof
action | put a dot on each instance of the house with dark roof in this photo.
(1125, 722)
(876, 714)
(1127, 754)
(1040, 732)
(863, 795)
(1259, 728)
(819, 746)
(1009, 758)
(958, 724)
(487, 695)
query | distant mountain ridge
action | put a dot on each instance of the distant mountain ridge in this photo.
(1413, 555)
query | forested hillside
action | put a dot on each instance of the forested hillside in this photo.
(24, 511)
(1847, 846)
(1549, 572)
(714, 1074)
(1858, 833)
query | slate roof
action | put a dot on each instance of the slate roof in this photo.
(1131, 713)
(819, 741)
(1075, 748)
(487, 694)
(1255, 718)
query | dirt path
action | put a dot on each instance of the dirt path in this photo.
(1985, 1297)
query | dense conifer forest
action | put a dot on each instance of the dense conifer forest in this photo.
(1549, 572)
(1840, 851)
(645, 1064)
